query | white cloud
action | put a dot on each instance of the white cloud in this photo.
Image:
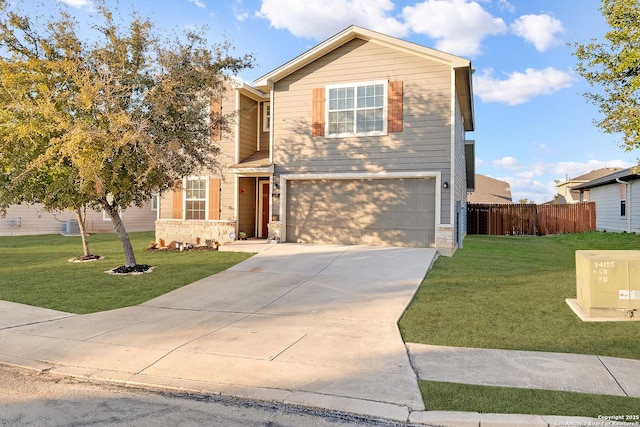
(519, 88)
(458, 26)
(508, 162)
(540, 30)
(320, 19)
(77, 3)
(198, 3)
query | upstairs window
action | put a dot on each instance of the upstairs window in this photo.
(266, 116)
(357, 109)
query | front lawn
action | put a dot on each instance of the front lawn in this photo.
(35, 270)
(509, 292)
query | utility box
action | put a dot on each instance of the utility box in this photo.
(608, 283)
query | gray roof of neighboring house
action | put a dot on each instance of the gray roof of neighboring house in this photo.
(595, 174)
(490, 190)
(623, 175)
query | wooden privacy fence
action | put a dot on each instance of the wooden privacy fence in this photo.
(529, 219)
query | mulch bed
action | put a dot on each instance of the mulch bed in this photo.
(136, 269)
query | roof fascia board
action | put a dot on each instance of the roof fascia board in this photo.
(248, 90)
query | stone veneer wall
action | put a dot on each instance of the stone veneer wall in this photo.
(188, 231)
(445, 242)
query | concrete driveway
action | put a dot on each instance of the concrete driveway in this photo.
(302, 324)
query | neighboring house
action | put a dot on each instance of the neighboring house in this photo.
(567, 194)
(617, 199)
(27, 219)
(490, 190)
(360, 140)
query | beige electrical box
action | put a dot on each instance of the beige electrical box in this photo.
(608, 283)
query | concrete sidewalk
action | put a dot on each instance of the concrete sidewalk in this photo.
(299, 324)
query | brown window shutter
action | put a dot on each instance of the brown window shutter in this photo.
(176, 211)
(215, 112)
(394, 109)
(214, 198)
(317, 112)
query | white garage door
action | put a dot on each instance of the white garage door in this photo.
(388, 212)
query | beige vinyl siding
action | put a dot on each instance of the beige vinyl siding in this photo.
(424, 143)
(248, 127)
(35, 220)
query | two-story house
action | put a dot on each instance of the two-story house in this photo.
(359, 140)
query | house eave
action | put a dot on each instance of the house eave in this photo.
(257, 171)
(464, 88)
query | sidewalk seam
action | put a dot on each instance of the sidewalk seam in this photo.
(613, 376)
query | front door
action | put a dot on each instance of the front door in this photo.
(264, 206)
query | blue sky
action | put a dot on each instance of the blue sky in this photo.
(533, 125)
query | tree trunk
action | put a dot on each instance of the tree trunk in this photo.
(81, 215)
(129, 256)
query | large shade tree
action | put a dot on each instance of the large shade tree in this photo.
(107, 121)
(612, 69)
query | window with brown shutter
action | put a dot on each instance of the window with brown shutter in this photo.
(394, 109)
(357, 109)
(214, 198)
(317, 114)
(176, 210)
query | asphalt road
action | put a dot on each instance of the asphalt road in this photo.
(29, 398)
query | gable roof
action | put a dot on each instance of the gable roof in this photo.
(628, 174)
(589, 176)
(462, 66)
(490, 190)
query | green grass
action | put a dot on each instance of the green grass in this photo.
(440, 396)
(35, 270)
(509, 292)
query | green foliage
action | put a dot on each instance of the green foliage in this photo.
(510, 292)
(107, 122)
(35, 271)
(613, 66)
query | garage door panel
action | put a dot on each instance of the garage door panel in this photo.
(396, 212)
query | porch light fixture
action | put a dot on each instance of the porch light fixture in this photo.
(445, 184)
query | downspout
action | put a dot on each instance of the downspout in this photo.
(627, 202)
(236, 157)
(272, 181)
